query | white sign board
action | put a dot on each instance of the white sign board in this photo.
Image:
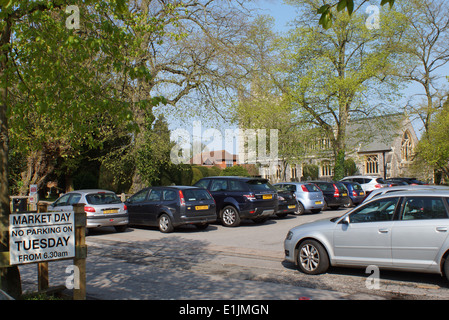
(37, 237)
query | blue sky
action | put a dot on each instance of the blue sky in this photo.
(283, 14)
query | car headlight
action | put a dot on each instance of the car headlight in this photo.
(289, 235)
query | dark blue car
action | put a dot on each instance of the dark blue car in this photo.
(169, 207)
(241, 198)
(355, 191)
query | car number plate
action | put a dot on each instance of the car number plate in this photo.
(344, 194)
(362, 193)
(318, 202)
(267, 196)
(201, 207)
(108, 211)
(291, 206)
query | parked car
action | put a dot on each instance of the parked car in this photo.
(308, 195)
(170, 207)
(286, 202)
(368, 183)
(335, 194)
(355, 192)
(411, 181)
(103, 208)
(406, 187)
(405, 230)
(394, 182)
(241, 198)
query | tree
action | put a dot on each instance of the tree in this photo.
(426, 44)
(433, 147)
(260, 104)
(65, 78)
(335, 75)
(235, 171)
(326, 10)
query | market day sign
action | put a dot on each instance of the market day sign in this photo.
(37, 237)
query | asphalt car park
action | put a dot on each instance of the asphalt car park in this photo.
(230, 263)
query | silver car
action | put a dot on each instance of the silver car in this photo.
(378, 192)
(102, 207)
(309, 196)
(405, 230)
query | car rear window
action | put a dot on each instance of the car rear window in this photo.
(356, 186)
(380, 180)
(312, 187)
(326, 186)
(341, 187)
(196, 194)
(102, 198)
(259, 185)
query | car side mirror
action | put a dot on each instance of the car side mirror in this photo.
(345, 220)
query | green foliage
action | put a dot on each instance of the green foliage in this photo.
(199, 172)
(153, 154)
(433, 147)
(327, 18)
(310, 172)
(235, 171)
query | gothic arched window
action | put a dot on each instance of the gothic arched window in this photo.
(406, 147)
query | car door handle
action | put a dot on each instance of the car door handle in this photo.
(384, 230)
(441, 229)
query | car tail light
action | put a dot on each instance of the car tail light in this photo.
(377, 186)
(304, 188)
(211, 196)
(181, 197)
(89, 209)
(336, 192)
(354, 193)
(250, 196)
(125, 207)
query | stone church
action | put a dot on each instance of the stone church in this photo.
(380, 146)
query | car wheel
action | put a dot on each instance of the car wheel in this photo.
(260, 220)
(165, 224)
(230, 217)
(301, 209)
(312, 257)
(349, 204)
(121, 228)
(325, 207)
(201, 226)
(446, 268)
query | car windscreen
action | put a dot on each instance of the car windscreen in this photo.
(102, 198)
(380, 180)
(196, 195)
(259, 185)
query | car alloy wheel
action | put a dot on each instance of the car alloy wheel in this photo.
(312, 257)
(230, 217)
(165, 224)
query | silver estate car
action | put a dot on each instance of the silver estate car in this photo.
(309, 196)
(405, 230)
(103, 208)
(378, 192)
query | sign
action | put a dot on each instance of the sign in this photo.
(37, 237)
(33, 189)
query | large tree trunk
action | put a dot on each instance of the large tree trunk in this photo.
(9, 276)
